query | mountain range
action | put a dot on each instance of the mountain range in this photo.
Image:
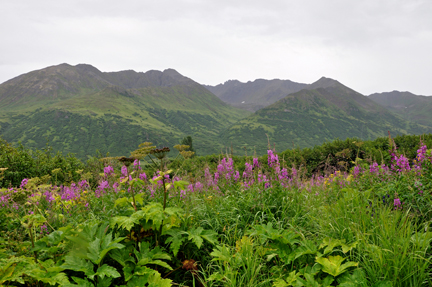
(80, 109)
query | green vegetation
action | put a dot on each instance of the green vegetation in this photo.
(235, 221)
(83, 109)
(407, 105)
(311, 117)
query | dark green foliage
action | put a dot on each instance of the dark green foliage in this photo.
(342, 154)
(188, 141)
(26, 163)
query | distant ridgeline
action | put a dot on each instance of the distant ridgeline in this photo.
(79, 109)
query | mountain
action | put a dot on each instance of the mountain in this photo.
(254, 95)
(326, 110)
(80, 109)
(407, 105)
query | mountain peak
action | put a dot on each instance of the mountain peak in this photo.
(324, 82)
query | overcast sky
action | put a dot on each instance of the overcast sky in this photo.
(368, 45)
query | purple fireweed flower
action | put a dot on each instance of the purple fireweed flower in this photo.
(124, 171)
(272, 158)
(236, 176)
(191, 187)
(137, 164)
(108, 170)
(374, 168)
(102, 188)
(198, 186)
(24, 183)
(115, 186)
(255, 162)
(397, 203)
(421, 153)
(283, 174)
(248, 170)
(143, 176)
(356, 171)
(402, 164)
(48, 196)
(294, 172)
(225, 167)
(44, 229)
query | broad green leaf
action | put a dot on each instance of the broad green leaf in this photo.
(265, 232)
(280, 283)
(221, 253)
(128, 272)
(356, 279)
(122, 201)
(292, 278)
(81, 282)
(180, 184)
(333, 265)
(290, 237)
(78, 264)
(94, 251)
(176, 240)
(121, 256)
(106, 270)
(13, 268)
(125, 222)
(210, 236)
(104, 282)
(311, 280)
(306, 247)
(327, 281)
(195, 236)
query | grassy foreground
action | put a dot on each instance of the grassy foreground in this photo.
(268, 225)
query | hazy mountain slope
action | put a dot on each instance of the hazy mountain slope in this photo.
(78, 109)
(254, 95)
(407, 105)
(312, 116)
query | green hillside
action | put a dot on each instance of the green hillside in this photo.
(407, 105)
(311, 117)
(80, 109)
(254, 95)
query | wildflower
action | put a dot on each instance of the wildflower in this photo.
(374, 168)
(143, 176)
(108, 170)
(198, 186)
(356, 171)
(397, 203)
(255, 163)
(24, 183)
(124, 171)
(137, 164)
(272, 158)
(402, 164)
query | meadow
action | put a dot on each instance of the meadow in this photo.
(361, 217)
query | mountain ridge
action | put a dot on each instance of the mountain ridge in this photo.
(165, 106)
(313, 116)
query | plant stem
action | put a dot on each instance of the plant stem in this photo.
(32, 241)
